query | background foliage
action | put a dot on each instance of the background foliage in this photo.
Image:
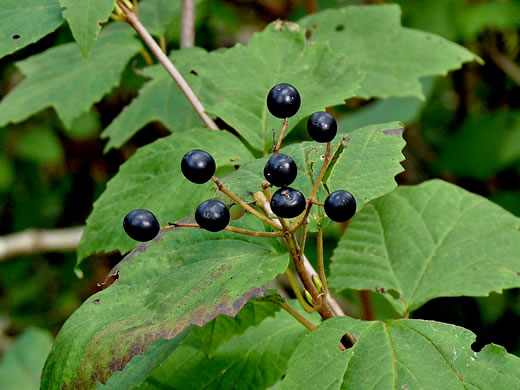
(463, 127)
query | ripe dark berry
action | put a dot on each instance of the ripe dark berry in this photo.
(283, 101)
(212, 215)
(288, 202)
(198, 166)
(340, 206)
(141, 225)
(280, 170)
(322, 126)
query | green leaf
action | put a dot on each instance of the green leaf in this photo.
(152, 179)
(393, 57)
(85, 18)
(141, 366)
(241, 77)
(159, 100)
(367, 161)
(207, 339)
(41, 145)
(398, 354)
(427, 241)
(60, 78)
(222, 328)
(403, 109)
(493, 137)
(156, 15)
(22, 364)
(499, 15)
(183, 277)
(26, 21)
(255, 360)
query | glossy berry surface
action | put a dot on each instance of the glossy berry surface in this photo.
(198, 166)
(340, 206)
(141, 225)
(288, 202)
(280, 170)
(212, 215)
(322, 126)
(283, 101)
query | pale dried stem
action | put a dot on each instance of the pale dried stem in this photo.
(188, 23)
(35, 241)
(132, 19)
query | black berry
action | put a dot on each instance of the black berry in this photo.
(340, 206)
(288, 202)
(283, 101)
(141, 225)
(212, 215)
(198, 166)
(322, 126)
(280, 170)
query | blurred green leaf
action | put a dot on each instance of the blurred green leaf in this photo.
(183, 277)
(155, 15)
(485, 144)
(498, 15)
(152, 179)
(510, 200)
(85, 18)
(404, 110)
(160, 100)
(86, 126)
(398, 354)
(427, 241)
(60, 78)
(40, 145)
(7, 174)
(241, 77)
(440, 17)
(256, 359)
(393, 57)
(26, 21)
(22, 364)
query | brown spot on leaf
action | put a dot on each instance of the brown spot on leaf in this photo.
(96, 301)
(16, 36)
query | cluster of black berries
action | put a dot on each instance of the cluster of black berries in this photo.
(198, 166)
(283, 101)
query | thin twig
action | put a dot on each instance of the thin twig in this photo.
(132, 19)
(505, 64)
(162, 43)
(244, 205)
(147, 57)
(278, 145)
(297, 292)
(301, 319)
(35, 241)
(303, 238)
(172, 225)
(326, 161)
(321, 266)
(188, 23)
